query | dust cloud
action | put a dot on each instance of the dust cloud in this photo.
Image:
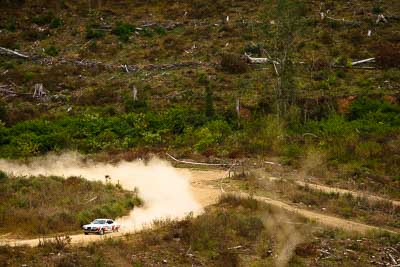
(165, 190)
(286, 233)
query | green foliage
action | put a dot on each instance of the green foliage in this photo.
(47, 19)
(55, 23)
(264, 135)
(51, 51)
(43, 19)
(11, 25)
(160, 30)
(92, 33)
(131, 105)
(123, 31)
(3, 111)
(211, 135)
(373, 115)
(92, 132)
(377, 10)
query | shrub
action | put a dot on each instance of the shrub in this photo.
(263, 135)
(123, 31)
(365, 106)
(43, 19)
(377, 10)
(51, 51)
(3, 112)
(59, 243)
(236, 201)
(160, 30)
(55, 23)
(233, 63)
(92, 33)
(211, 135)
(131, 105)
(11, 26)
(34, 34)
(368, 149)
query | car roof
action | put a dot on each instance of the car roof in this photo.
(102, 219)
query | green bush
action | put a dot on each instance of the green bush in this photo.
(3, 112)
(131, 105)
(160, 30)
(264, 135)
(43, 19)
(55, 23)
(92, 33)
(51, 51)
(211, 135)
(123, 31)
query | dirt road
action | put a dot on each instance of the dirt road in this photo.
(203, 193)
(204, 185)
(329, 189)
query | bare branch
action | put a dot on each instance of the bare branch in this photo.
(7, 51)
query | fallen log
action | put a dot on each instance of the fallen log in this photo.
(10, 52)
(372, 59)
(348, 22)
(197, 163)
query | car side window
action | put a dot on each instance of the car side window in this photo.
(109, 222)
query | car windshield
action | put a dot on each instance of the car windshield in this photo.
(99, 222)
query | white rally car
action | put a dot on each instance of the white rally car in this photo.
(101, 226)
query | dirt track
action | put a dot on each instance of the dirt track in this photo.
(205, 195)
(206, 192)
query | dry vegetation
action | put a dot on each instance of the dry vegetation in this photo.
(381, 213)
(233, 233)
(314, 111)
(38, 206)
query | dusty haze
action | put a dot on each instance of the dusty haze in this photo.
(165, 190)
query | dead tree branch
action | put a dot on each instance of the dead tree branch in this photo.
(372, 59)
(9, 52)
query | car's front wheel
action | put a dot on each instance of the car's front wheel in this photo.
(86, 233)
(101, 232)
